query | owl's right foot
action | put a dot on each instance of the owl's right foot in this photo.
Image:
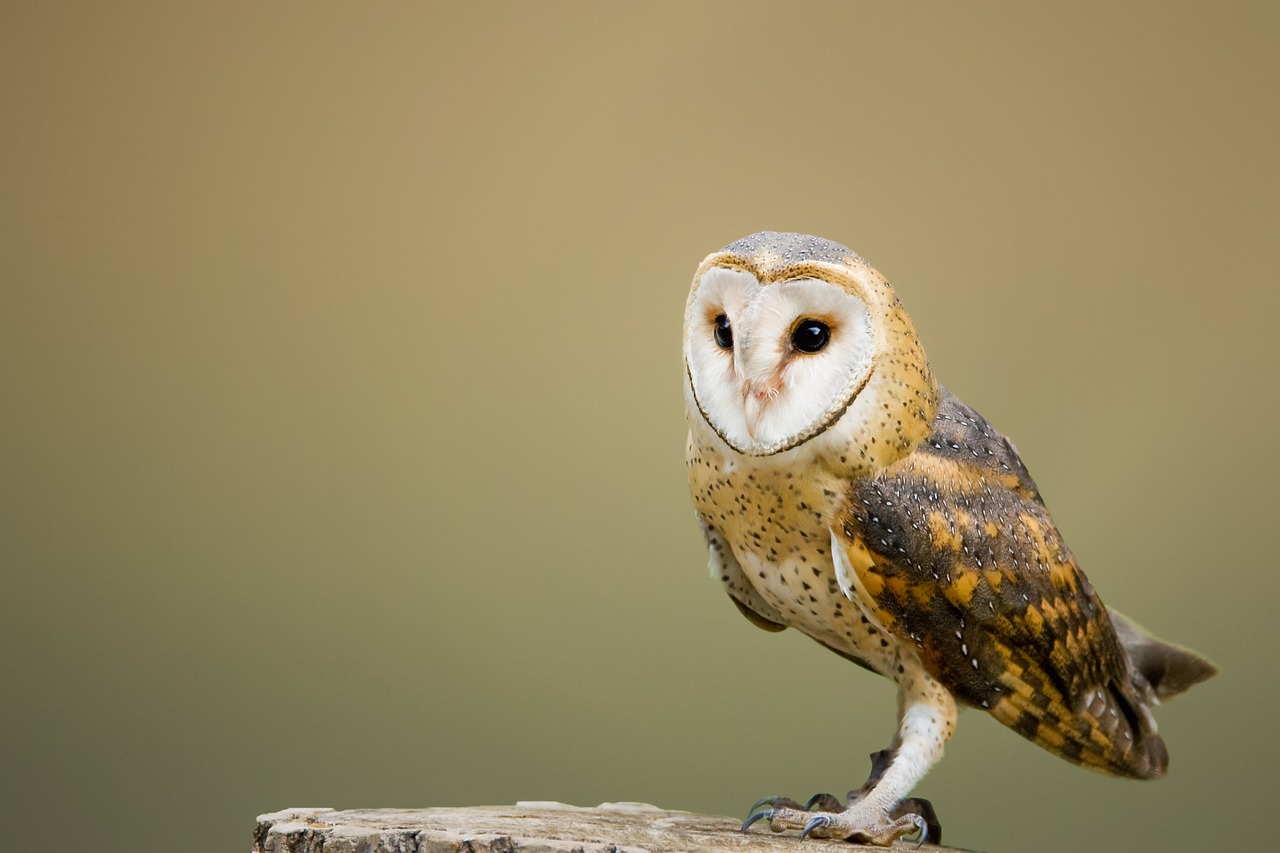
(822, 814)
(863, 822)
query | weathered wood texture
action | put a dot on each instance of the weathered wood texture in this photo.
(526, 828)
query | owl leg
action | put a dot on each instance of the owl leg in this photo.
(880, 762)
(926, 719)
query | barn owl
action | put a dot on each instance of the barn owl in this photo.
(845, 493)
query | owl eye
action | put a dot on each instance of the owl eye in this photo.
(811, 336)
(723, 334)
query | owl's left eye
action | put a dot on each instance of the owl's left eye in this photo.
(724, 332)
(811, 336)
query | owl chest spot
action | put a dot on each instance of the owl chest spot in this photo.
(802, 588)
(772, 512)
(777, 520)
(780, 532)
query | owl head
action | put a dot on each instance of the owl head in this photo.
(796, 344)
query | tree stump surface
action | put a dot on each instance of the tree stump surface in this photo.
(528, 828)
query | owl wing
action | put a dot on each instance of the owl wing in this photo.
(960, 558)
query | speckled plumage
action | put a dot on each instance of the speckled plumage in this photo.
(964, 559)
(895, 526)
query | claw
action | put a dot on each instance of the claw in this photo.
(777, 802)
(767, 801)
(923, 826)
(817, 821)
(921, 809)
(755, 816)
(825, 803)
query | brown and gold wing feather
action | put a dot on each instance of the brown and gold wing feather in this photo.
(961, 558)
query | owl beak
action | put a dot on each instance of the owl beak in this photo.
(756, 397)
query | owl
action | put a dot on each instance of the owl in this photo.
(843, 492)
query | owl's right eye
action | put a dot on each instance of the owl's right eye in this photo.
(723, 333)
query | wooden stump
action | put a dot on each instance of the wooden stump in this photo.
(526, 828)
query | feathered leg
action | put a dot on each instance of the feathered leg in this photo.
(926, 719)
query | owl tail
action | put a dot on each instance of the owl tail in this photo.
(1169, 669)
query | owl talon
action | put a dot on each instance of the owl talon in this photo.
(923, 815)
(776, 816)
(753, 817)
(776, 802)
(780, 819)
(822, 820)
(823, 803)
(922, 827)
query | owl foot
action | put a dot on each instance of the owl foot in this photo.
(825, 816)
(870, 826)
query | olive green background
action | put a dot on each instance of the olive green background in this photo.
(342, 428)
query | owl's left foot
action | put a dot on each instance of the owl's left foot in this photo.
(825, 816)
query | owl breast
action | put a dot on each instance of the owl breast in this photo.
(778, 526)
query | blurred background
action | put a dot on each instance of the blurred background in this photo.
(341, 426)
